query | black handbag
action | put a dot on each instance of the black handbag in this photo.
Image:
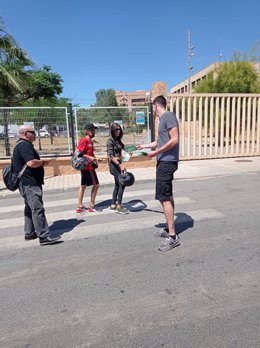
(94, 164)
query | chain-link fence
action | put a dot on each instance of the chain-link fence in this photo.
(54, 127)
(50, 123)
(134, 122)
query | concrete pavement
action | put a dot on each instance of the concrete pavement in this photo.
(198, 169)
(108, 286)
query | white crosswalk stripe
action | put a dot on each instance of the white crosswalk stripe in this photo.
(73, 201)
(64, 215)
(95, 230)
(86, 225)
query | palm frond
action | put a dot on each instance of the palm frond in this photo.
(8, 77)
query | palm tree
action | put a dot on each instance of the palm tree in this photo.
(14, 79)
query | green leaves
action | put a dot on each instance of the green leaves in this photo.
(105, 97)
(13, 64)
(45, 83)
(231, 77)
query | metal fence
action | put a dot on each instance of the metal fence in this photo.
(134, 121)
(217, 125)
(211, 126)
(50, 123)
(54, 127)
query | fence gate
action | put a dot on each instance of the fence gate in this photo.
(217, 125)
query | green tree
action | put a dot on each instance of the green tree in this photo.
(44, 117)
(13, 63)
(45, 84)
(231, 77)
(236, 76)
(105, 97)
(13, 76)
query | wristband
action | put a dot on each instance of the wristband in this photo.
(43, 162)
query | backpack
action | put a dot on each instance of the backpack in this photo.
(12, 179)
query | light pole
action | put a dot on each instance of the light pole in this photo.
(190, 54)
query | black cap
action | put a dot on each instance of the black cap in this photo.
(90, 125)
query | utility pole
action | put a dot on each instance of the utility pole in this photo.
(190, 54)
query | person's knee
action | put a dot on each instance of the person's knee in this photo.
(165, 201)
(96, 187)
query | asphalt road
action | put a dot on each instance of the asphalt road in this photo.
(107, 285)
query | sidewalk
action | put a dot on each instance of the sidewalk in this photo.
(187, 170)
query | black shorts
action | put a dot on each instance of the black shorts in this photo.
(89, 177)
(164, 178)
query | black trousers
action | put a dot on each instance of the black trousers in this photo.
(118, 188)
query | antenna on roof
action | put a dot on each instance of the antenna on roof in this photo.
(190, 54)
(220, 52)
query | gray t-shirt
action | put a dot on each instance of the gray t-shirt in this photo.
(167, 121)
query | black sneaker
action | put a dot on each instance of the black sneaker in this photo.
(49, 240)
(169, 243)
(30, 236)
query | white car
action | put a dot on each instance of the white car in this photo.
(44, 133)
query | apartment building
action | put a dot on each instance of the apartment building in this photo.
(141, 97)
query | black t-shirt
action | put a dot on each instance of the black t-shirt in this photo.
(23, 152)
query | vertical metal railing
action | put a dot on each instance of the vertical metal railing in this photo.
(217, 125)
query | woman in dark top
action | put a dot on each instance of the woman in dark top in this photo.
(114, 153)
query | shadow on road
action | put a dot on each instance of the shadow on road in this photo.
(64, 226)
(183, 222)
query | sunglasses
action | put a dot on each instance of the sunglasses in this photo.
(118, 129)
(33, 132)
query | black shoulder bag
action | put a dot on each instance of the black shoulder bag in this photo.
(12, 179)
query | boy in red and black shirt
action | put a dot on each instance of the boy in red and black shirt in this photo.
(88, 175)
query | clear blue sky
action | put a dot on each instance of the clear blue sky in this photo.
(128, 45)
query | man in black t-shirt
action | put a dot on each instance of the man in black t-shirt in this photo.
(30, 187)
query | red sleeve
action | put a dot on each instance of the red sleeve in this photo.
(82, 145)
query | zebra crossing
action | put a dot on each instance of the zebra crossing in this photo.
(62, 218)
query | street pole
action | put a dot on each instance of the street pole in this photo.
(72, 127)
(151, 122)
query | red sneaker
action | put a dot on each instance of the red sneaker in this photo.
(80, 210)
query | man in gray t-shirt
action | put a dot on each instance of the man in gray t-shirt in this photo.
(167, 152)
(167, 122)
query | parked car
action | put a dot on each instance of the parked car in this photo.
(44, 134)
